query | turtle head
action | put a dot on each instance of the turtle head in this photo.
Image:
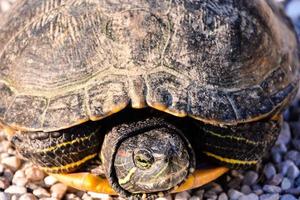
(146, 157)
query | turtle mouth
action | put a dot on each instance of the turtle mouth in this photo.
(91, 182)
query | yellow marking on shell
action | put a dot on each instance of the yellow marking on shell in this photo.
(112, 111)
(8, 130)
(139, 105)
(231, 161)
(232, 137)
(277, 117)
(70, 165)
(233, 122)
(127, 177)
(164, 108)
(65, 144)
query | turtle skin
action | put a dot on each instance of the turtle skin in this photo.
(227, 67)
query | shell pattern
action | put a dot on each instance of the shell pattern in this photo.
(63, 62)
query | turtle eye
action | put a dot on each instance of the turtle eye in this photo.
(143, 159)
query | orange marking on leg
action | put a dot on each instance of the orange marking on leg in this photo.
(93, 183)
(86, 182)
(201, 177)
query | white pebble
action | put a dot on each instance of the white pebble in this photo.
(27, 196)
(165, 198)
(71, 197)
(12, 162)
(4, 183)
(50, 180)
(194, 198)
(4, 196)
(58, 190)
(4, 5)
(41, 192)
(182, 196)
(19, 181)
(34, 174)
(14, 189)
(99, 195)
(85, 196)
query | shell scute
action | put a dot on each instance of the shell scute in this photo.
(26, 111)
(106, 96)
(69, 108)
(222, 62)
(210, 105)
(285, 93)
(251, 103)
(6, 98)
(167, 92)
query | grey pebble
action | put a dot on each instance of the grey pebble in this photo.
(269, 197)
(194, 198)
(286, 184)
(251, 196)
(216, 188)
(297, 181)
(279, 148)
(182, 195)
(284, 166)
(246, 189)
(210, 195)
(271, 189)
(235, 183)
(276, 180)
(293, 171)
(292, 155)
(250, 178)
(285, 134)
(234, 194)
(200, 193)
(277, 158)
(296, 144)
(269, 170)
(257, 189)
(223, 196)
(288, 197)
(293, 191)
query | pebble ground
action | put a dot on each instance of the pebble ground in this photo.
(277, 179)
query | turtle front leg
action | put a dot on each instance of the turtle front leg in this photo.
(242, 145)
(61, 151)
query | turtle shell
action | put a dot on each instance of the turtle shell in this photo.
(63, 62)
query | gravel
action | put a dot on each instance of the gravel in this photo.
(277, 179)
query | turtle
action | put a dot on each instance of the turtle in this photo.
(165, 95)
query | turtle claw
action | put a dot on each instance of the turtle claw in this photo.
(93, 183)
